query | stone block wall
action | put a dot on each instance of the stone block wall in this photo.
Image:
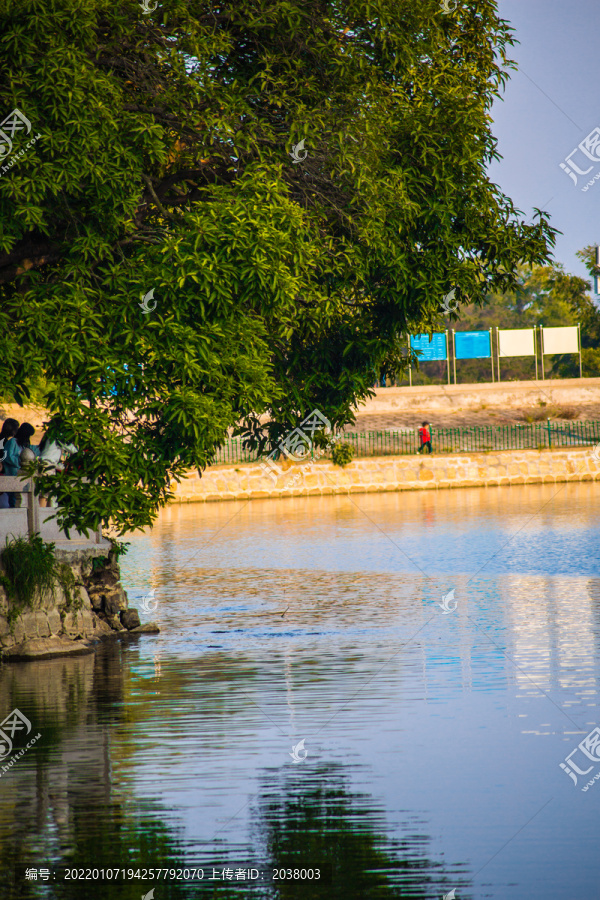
(392, 473)
(70, 618)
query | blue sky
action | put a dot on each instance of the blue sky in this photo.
(550, 105)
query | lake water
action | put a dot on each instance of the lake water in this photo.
(428, 738)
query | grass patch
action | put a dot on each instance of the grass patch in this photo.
(29, 570)
(566, 412)
(66, 579)
(551, 412)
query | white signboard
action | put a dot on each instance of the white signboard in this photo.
(561, 340)
(516, 342)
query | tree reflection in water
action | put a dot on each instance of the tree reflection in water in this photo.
(64, 811)
(305, 823)
(316, 822)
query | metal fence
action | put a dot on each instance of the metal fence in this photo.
(476, 439)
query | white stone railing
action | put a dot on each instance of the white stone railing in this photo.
(14, 484)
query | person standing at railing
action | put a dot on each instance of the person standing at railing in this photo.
(27, 452)
(9, 453)
(424, 437)
(54, 452)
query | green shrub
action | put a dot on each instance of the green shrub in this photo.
(342, 454)
(120, 548)
(99, 563)
(66, 579)
(117, 550)
(30, 569)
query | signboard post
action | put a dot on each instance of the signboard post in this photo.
(432, 349)
(510, 342)
(472, 345)
(454, 353)
(516, 342)
(561, 340)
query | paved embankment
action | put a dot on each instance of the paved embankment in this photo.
(509, 394)
(393, 473)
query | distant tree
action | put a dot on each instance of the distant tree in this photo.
(161, 162)
(589, 315)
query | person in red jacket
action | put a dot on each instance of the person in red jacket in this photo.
(425, 437)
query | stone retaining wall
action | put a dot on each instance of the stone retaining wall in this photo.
(90, 605)
(392, 473)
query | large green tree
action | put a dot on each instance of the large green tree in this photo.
(162, 162)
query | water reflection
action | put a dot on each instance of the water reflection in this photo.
(433, 740)
(71, 812)
(318, 818)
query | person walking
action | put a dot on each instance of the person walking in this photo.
(425, 437)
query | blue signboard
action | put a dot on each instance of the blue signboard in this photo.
(429, 349)
(472, 345)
